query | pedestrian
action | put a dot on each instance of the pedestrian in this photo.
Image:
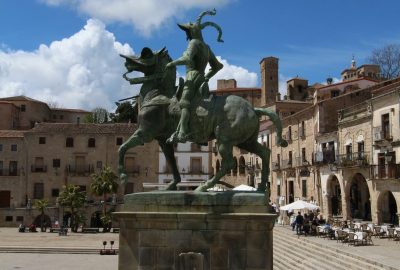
(299, 223)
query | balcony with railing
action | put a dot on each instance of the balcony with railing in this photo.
(385, 171)
(353, 159)
(80, 170)
(300, 162)
(135, 169)
(276, 166)
(38, 168)
(9, 172)
(382, 133)
(325, 157)
(287, 163)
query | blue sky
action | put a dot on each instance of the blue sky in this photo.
(313, 39)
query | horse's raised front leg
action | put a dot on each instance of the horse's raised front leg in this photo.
(133, 141)
(225, 150)
(169, 153)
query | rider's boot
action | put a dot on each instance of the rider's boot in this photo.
(181, 134)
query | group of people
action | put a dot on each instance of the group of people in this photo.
(305, 224)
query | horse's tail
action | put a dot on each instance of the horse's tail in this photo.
(277, 123)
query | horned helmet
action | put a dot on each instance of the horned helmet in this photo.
(193, 30)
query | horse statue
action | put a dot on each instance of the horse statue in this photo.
(230, 120)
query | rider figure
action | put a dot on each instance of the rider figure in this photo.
(196, 57)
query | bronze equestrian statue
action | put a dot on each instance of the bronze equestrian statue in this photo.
(230, 120)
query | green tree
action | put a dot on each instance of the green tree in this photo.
(72, 198)
(125, 112)
(41, 205)
(97, 116)
(388, 58)
(104, 183)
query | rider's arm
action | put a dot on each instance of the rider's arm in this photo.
(187, 58)
(214, 64)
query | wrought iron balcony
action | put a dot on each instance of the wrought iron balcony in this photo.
(354, 159)
(287, 163)
(9, 172)
(385, 171)
(276, 166)
(80, 170)
(325, 157)
(38, 168)
(382, 133)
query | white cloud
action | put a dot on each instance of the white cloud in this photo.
(144, 15)
(81, 71)
(243, 77)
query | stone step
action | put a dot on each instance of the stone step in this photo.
(311, 254)
(281, 262)
(301, 260)
(49, 250)
(329, 253)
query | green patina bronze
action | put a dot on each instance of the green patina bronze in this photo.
(187, 111)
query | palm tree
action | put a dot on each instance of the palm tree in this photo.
(41, 205)
(103, 184)
(74, 199)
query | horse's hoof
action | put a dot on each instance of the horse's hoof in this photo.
(171, 186)
(123, 177)
(201, 188)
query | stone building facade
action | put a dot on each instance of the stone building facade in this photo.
(43, 149)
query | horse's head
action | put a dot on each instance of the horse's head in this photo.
(151, 64)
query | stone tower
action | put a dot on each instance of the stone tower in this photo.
(269, 80)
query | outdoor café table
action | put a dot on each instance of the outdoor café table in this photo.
(357, 225)
(384, 229)
(360, 235)
(347, 230)
(370, 226)
(397, 230)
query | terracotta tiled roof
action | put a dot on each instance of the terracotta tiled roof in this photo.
(349, 82)
(120, 128)
(237, 89)
(69, 110)
(11, 134)
(21, 98)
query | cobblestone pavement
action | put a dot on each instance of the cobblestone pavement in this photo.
(11, 237)
(30, 261)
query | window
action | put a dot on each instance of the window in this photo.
(1, 147)
(128, 188)
(61, 117)
(335, 93)
(55, 192)
(278, 190)
(82, 188)
(289, 134)
(56, 163)
(20, 218)
(303, 155)
(99, 165)
(42, 140)
(360, 146)
(303, 129)
(13, 168)
(38, 191)
(349, 150)
(69, 142)
(14, 147)
(1, 167)
(23, 107)
(119, 141)
(9, 218)
(195, 165)
(385, 126)
(290, 158)
(304, 188)
(92, 142)
(278, 159)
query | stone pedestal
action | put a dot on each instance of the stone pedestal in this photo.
(186, 230)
